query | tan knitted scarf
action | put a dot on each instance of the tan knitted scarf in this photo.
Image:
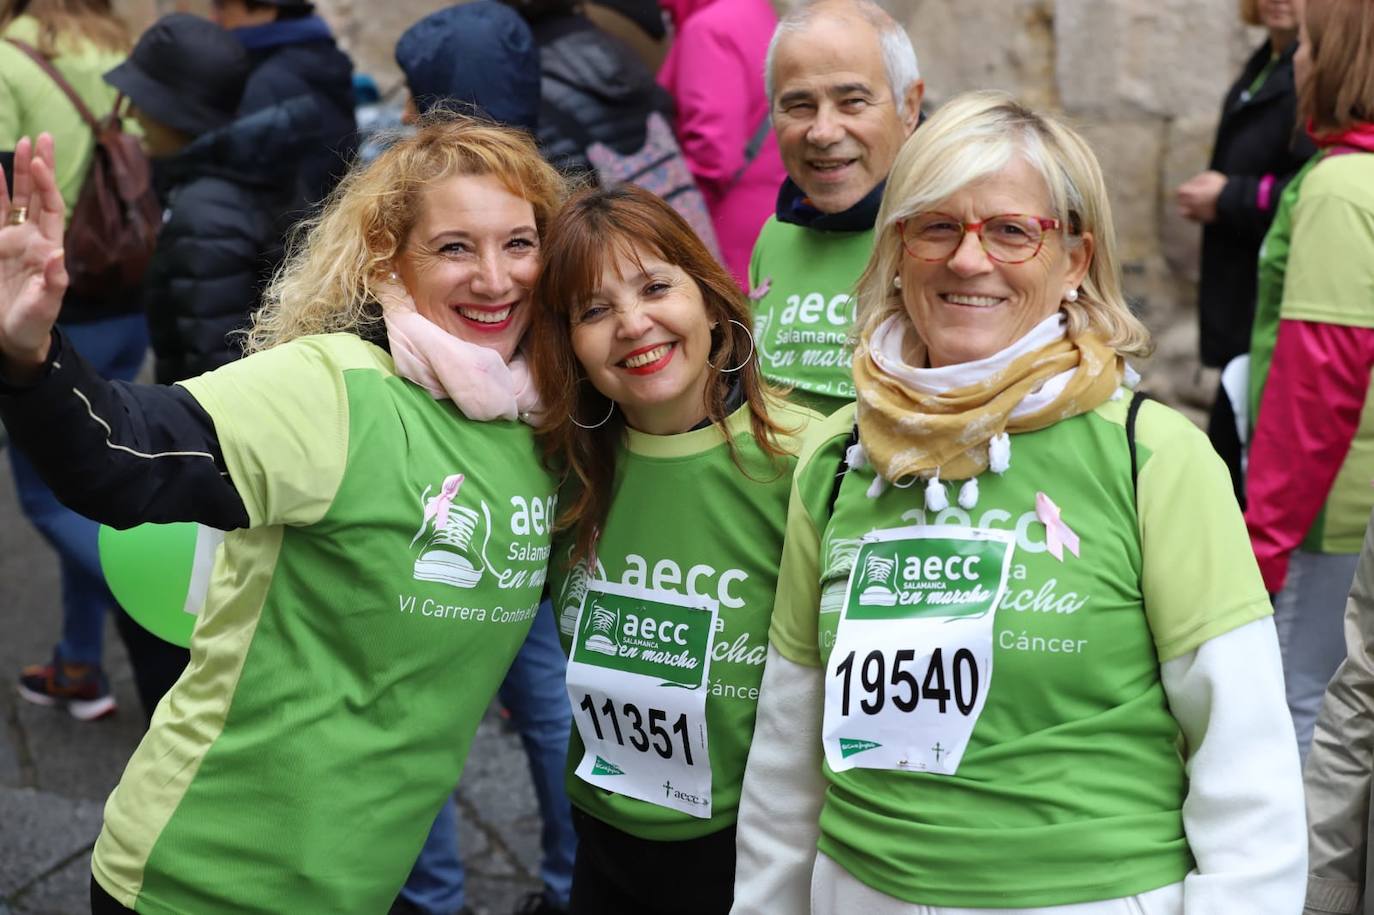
(908, 433)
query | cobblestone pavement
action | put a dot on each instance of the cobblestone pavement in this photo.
(55, 772)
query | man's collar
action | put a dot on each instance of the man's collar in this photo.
(283, 31)
(796, 208)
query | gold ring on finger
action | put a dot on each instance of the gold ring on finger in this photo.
(18, 216)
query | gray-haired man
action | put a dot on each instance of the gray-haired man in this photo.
(845, 92)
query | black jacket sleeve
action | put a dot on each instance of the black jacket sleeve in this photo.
(121, 454)
(206, 276)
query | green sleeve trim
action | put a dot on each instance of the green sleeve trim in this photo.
(1217, 624)
(1322, 313)
(794, 628)
(286, 456)
(1199, 578)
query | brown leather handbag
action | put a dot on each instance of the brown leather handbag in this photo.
(117, 216)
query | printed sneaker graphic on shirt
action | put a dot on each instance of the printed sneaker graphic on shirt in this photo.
(604, 624)
(876, 583)
(451, 555)
(574, 592)
(839, 560)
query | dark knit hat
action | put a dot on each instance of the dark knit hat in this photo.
(185, 72)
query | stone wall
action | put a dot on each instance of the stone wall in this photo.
(1142, 79)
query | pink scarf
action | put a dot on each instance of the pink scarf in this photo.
(1361, 137)
(473, 377)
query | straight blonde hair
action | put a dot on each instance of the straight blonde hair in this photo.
(975, 135)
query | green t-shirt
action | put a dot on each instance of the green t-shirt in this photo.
(352, 638)
(686, 519)
(1071, 787)
(1317, 264)
(30, 101)
(803, 321)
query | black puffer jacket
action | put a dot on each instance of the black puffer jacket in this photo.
(1255, 137)
(294, 57)
(226, 197)
(594, 89)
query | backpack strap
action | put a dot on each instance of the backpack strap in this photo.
(46, 66)
(1137, 398)
(754, 147)
(841, 470)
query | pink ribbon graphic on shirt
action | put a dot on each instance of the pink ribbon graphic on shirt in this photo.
(439, 505)
(761, 290)
(1057, 534)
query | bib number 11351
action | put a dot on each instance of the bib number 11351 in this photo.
(912, 662)
(638, 676)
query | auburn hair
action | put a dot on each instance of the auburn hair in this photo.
(1339, 90)
(593, 231)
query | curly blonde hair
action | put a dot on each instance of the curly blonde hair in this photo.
(327, 283)
(975, 135)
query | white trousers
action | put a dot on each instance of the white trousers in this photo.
(835, 892)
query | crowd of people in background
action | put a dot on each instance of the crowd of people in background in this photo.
(762, 437)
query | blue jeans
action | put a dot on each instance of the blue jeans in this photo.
(535, 695)
(116, 348)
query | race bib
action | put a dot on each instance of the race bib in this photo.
(912, 662)
(637, 679)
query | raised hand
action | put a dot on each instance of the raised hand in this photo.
(33, 276)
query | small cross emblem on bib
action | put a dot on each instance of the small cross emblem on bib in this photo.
(937, 750)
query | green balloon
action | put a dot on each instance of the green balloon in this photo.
(148, 569)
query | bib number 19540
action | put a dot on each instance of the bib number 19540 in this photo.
(898, 682)
(912, 662)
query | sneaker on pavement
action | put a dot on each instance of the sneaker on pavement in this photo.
(539, 904)
(80, 688)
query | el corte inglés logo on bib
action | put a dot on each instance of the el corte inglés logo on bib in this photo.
(603, 767)
(849, 747)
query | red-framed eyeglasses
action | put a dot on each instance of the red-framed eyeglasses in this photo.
(1008, 238)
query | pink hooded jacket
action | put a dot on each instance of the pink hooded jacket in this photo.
(714, 72)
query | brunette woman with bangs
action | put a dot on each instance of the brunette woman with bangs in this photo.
(677, 463)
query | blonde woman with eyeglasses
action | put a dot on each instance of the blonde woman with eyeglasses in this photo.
(1021, 658)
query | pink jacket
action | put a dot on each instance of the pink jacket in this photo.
(1309, 414)
(714, 72)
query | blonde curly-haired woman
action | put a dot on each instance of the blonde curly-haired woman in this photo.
(388, 518)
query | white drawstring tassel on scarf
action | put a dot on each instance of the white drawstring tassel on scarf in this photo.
(856, 457)
(877, 487)
(999, 453)
(968, 493)
(937, 500)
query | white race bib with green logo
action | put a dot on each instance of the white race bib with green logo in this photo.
(637, 679)
(912, 661)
